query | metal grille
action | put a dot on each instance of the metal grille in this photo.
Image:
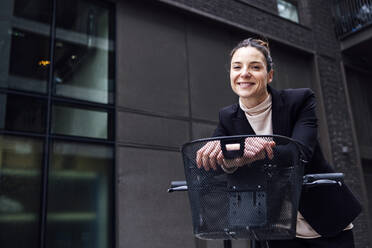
(258, 201)
(351, 16)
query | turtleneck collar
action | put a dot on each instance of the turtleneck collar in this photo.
(260, 108)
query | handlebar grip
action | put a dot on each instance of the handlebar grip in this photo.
(177, 186)
(312, 180)
(231, 154)
(331, 176)
(322, 182)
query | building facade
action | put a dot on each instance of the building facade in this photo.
(98, 96)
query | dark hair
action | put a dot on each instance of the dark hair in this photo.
(260, 45)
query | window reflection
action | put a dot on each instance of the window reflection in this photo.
(35, 10)
(24, 42)
(80, 196)
(84, 51)
(20, 178)
(80, 122)
(22, 113)
(288, 9)
(26, 68)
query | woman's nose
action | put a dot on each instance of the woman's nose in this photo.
(245, 72)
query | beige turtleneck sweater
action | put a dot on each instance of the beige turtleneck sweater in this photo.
(259, 117)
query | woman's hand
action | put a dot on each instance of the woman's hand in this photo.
(255, 148)
(209, 155)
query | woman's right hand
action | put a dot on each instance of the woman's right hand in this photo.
(209, 155)
(255, 148)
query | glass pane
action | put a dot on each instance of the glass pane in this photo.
(22, 113)
(24, 44)
(35, 10)
(80, 122)
(80, 197)
(288, 10)
(84, 50)
(20, 182)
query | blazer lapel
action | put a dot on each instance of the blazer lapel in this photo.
(279, 115)
(241, 124)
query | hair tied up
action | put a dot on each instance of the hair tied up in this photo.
(261, 45)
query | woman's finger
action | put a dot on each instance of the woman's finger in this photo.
(251, 150)
(269, 149)
(199, 155)
(220, 159)
(205, 157)
(213, 156)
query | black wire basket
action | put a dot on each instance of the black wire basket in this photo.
(259, 200)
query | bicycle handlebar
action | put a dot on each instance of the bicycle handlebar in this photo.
(178, 183)
(310, 180)
(177, 186)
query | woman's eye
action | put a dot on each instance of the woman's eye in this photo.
(236, 67)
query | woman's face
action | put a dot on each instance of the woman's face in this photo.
(249, 76)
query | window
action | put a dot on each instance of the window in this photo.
(75, 121)
(20, 190)
(84, 51)
(56, 129)
(22, 113)
(82, 174)
(288, 9)
(25, 44)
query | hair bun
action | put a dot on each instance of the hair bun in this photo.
(261, 43)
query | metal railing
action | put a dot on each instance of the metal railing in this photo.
(351, 16)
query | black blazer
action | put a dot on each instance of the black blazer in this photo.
(327, 209)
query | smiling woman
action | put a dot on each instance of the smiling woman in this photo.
(262, 110)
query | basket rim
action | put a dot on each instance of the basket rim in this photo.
(298, 143)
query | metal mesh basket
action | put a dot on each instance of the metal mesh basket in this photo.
(257, 201)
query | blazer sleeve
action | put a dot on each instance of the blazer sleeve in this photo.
(305, 123)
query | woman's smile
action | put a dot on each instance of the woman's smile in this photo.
(246, 85)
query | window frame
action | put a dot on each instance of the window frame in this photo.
(294, 3)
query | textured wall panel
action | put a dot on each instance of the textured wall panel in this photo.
(208, 49)
(150, 130)
(151, 66)
(202, 130)
(148, 216)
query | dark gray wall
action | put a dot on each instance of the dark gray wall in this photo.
(360, 89)
(339, 118)
(167, 67)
